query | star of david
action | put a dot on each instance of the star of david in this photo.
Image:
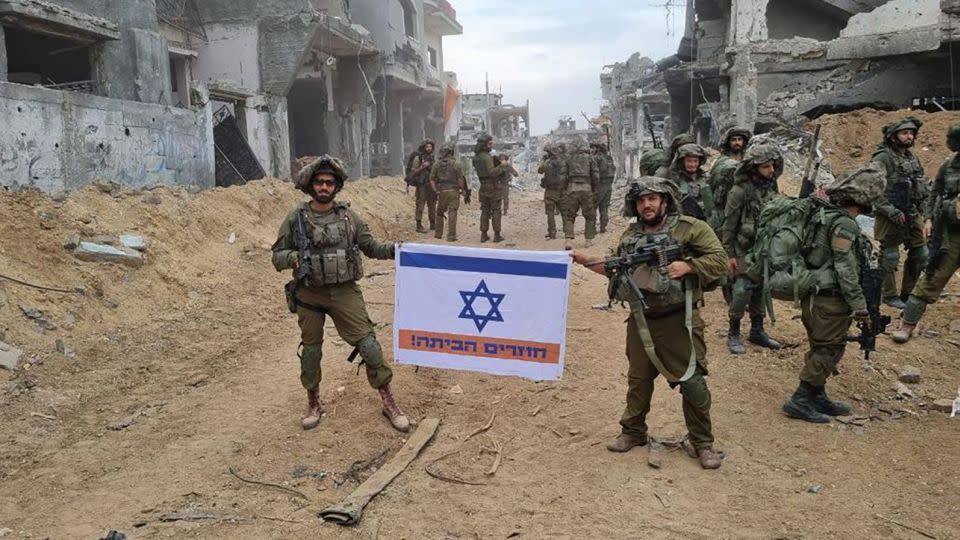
(468, 312)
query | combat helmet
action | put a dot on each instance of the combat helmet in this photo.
(734, 132)
(678, 141)
(953, 138)
(758, 154)
(861, 187)
(690, 150)
(425, 143)
(482, 140)
(911, 122)
(648, 185)
(448, 149)
(323, 164)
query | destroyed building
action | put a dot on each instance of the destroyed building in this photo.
(215, 92)
(760, 63)
(487, 113)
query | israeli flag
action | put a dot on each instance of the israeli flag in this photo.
(495, 311)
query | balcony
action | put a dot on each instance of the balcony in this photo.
(441, 18)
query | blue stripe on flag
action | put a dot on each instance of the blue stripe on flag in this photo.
(482, 265)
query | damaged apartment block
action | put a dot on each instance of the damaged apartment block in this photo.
(215, 92)
(758, 63)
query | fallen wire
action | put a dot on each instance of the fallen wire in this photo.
(267, 484)
(77, 290)
(271, 518)
(908, 527)
(481, 430)
(450, 479)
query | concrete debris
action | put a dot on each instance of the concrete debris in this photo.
(72, 241)
(902, 391)
(64, 350)
(93, 252)
(9, 357)
(152, 198)
(114, 535)
(4, 531)
(955, 326)
(942, 405)
(38, 317)
(910, 375)
(133, 241)
(106, 186)
(456, 390)
(47, 220)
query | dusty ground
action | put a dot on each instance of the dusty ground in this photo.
(197, 351)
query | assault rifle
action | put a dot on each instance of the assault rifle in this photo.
(657, 143)
(901, 195)
(809, 184)
(302, 272)
(871, 281)
(937, 251)
(620, 269)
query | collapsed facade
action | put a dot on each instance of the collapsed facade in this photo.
(216, 92)
(487, 113)
(759, 63)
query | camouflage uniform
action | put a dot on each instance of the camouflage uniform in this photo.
(507, 180)
(905, 167)
(944, 208)
(839, 250)
(606, 171)
(491, 189)
(723, 171)
(338, 237)
(449, 181)
(664, 169)
(746, 200)
(676, 336)
(426, 196)
(582, 178)
(696, 197)
(554, 182)
(650, 161)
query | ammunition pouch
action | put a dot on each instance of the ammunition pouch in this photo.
(290, 292)
(692, 208)
(334, 266)
(901, 194)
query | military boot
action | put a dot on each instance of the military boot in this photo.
(393, 413)
(314, 410)
(827, 406)
(904, 333)
(420, 228)
(709, 458)
(801, 407)
(497, 238)
(484, 237)
(759, 337)
(624, 442)
(895, 302)
(734, 343)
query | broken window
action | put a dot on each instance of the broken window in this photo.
(433, 56)
(180, 80)
(409, 18)
(51, 61)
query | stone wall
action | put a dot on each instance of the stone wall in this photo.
(57, 141)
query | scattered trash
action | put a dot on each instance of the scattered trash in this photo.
(358, 467)
(601, 307)
(341, 389)
(301, 471)
(232, 239)
(196, 515)
(114, 535)
(133, 241)
(94, 252)
(814, 488)
(455, 389)
(265, 484)
(64, 350)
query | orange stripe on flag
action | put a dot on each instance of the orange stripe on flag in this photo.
(483, 347)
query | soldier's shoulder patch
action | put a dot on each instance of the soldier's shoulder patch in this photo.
(842, 239)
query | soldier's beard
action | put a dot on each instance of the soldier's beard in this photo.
(325, 198)
(656, 219)
(907, 144)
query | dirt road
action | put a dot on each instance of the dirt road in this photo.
(196, 353)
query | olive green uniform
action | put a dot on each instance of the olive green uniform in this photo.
(606, 172)
(945, 205)
(901, 168)
(507, 179)
(665, 316)
(696, 197)
(491, 190)
(838, 250)
(721, 181)
(447, 174)
(426, 196)
(339, 236)
(554, 171)
(745, 202)
(578, 197)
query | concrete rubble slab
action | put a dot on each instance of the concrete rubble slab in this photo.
(133, 241)
(89, 251)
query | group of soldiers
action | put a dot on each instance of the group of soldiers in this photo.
(577, 180)
(440, 184)
(695, 231)
(714, 220)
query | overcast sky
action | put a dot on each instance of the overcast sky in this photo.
(551, 51)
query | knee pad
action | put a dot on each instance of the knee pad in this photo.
(918, 255)
(889, 259)
(370, 351)
(740, 295)
(695, 391)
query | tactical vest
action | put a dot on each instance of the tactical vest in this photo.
(606, 168)
(819, 254)
(757, 196)
(447, 177)
(553, 177)
(950, 198)
(694, 199)
(661, 293)
(907, 178)
(578, 168)
(336, 256)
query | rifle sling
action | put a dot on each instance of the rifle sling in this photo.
(640, 320)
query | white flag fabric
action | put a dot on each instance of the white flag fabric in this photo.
(490, 310)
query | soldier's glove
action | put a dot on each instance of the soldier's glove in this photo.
(899, 218)
(861, 316)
